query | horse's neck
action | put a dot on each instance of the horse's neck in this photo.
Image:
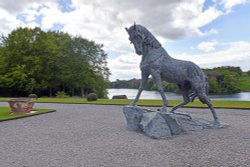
(151, 55)
(149, 51)
(152, 49)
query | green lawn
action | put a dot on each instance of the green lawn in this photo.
(217, 104)
(5, 113)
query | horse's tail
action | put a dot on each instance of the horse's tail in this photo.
(203, 84)
(204, 91)
(203, 79)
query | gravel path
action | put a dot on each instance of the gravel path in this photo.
(80, 135)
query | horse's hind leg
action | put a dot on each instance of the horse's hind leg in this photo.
(192, 96)
(205, 100)
(185, 98)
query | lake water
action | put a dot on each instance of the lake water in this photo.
(131, 93)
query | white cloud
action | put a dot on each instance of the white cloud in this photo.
(125, 67)
(11, 9)
(206, 17)
(103, 20)
(7, 22)
(237, 54)
(207, 46)
(51, 15)
(13, 6)
(229, 4)
(211, 32)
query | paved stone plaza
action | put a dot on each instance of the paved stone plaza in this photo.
(96, 135)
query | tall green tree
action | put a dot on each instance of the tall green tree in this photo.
(21, 62)
(92, 58)
(34, 61)
(248, 73)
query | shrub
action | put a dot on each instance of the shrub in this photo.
(92, 97)
(61, 94)
(33, 96)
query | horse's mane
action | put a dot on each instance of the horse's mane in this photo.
(149, 39)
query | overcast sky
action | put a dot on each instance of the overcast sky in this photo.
(210, 33)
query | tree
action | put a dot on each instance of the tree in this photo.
(213, 84)
(223, 80)
(34, 61)
(21, 61)
(248, 73)
(92, 59)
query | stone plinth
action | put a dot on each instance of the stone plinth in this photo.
(21, 105)
(158, 125)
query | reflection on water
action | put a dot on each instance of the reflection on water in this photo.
(131, 93)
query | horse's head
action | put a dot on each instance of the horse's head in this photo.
(136, 37)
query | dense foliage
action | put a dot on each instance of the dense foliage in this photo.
(134, 84)
(222, 80)
(34, 61)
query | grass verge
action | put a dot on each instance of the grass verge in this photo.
(196, 103)
(5, 113)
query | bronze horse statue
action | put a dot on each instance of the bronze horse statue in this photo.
(155, 61)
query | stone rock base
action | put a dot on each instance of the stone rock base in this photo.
(156, 124)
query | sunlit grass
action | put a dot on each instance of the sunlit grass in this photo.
(5, 113)
(222, 104)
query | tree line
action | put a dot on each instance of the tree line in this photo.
(222, 80)
(43, 63)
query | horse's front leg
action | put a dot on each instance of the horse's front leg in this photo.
(144, 79)
(157, 77)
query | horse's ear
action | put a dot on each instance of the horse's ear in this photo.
(126, 29)
(134, 26)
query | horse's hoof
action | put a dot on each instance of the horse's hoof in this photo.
(163, 109)
(217, 123)
(132, 104)
(172, 111)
